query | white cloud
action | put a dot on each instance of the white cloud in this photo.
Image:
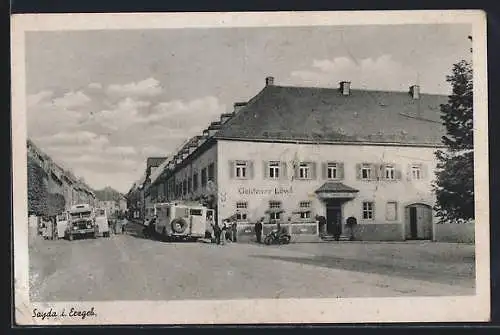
(146, 88)
(382, 73)
(72, 100)
(79, 140)
(120, 150)
(125, 114)
(37, 98)
(95, 86)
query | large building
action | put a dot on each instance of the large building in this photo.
(291, 153)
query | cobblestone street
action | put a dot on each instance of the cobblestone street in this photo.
(130, 267)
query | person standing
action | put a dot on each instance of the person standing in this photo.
(351, 223)
(234, 231)
(258, 230)
(224, 232)
(217, 232)
(321, 224)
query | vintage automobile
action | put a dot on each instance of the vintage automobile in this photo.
(103, 221)
(181, 221)
(81, 222)
(62, 223)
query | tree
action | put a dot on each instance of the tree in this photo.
(37, 189)
(454, 185)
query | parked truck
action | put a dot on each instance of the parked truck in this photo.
(81, 222)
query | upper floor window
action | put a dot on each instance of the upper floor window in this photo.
(274, 204)
(305, 170)
(204, 177)
(368, 210)
(416, 172)
(241, 205)
(366, 171)
(332, 171)
(211, 171)
(305, 204)
(389, 172)
(241, 169)
(274, 169)
(195, 182)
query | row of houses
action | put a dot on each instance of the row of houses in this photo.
(60, 180)
(292, 153)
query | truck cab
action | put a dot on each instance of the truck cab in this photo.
(81, 222)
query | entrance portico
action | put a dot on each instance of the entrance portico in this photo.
(334, 195)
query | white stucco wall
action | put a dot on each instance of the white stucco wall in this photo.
(404, 191)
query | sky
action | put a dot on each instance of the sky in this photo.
(100, 102)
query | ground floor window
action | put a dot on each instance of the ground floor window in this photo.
(241, 211)
(275, 210)
(368, 209)
(305, 210)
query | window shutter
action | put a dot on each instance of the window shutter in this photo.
(408, 172)
(340, 170)
(380, 171)
(313, 167)
(376, 173)
(397, 172)
(296, 170)
(424, 171)
(265, 169)
(324, 170)
(250, 169)
(283, 170)
(358, 171)
(231, 169)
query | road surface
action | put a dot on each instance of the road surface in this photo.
(130, 267)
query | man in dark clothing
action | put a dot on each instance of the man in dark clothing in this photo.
(258, 230)
(217, 232)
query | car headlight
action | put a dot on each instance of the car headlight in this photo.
(75, 227)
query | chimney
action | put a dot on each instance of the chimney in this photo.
(345, 87)
(205, 133)
(238, 106)
(269, 81)
(225, 117)
(415, 92)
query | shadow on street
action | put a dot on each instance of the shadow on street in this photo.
(436, 274)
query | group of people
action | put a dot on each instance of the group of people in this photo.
(225, 232)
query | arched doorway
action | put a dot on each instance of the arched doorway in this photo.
(418, 222)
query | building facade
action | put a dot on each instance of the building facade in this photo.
(291, 154)
(61, 181)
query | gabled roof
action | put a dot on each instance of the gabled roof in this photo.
(324, 115)
(154, 161)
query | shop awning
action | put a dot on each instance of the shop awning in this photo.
(336, 190)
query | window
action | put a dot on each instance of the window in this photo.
(275, 207)
(241, 207)
(274, 170)
(204, 177)
(332, 171)
(190, 184)
(390, 172)
(416, 172)
(211, 172)
(305, 209)
(195, 182)
(304, 171)
(196, 212)
(366, 171)
(368, 211)
(184, 187)
(391, 211)
(305, 204)
(241, 170)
